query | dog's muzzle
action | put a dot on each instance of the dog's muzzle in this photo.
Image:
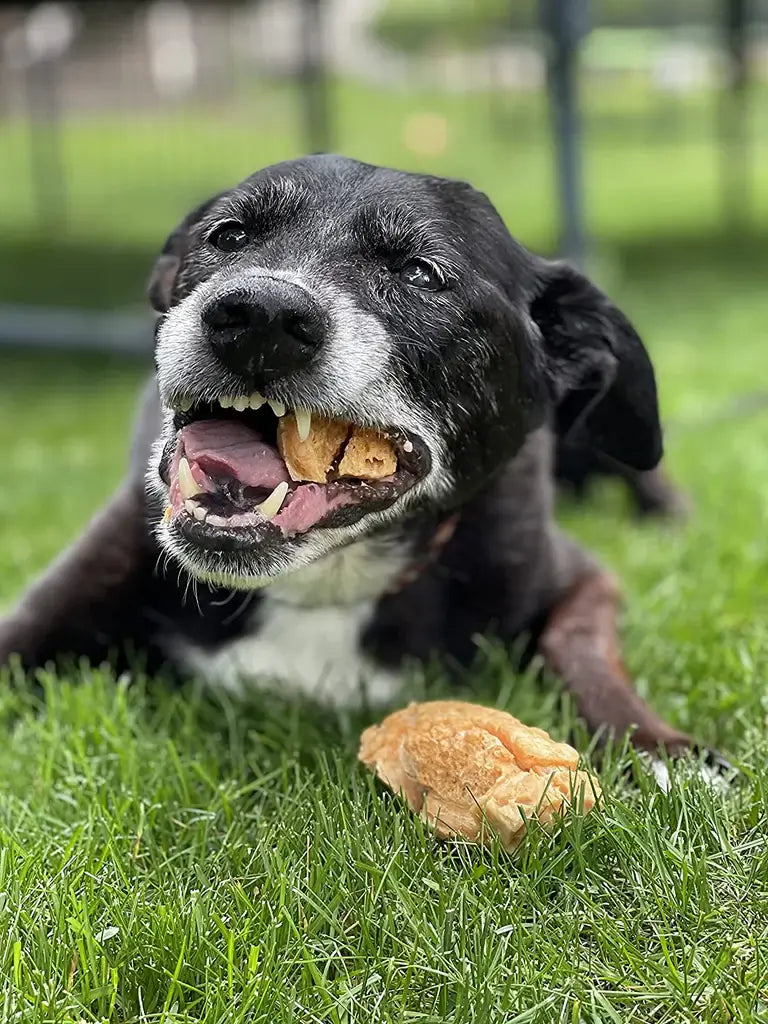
(265, 332)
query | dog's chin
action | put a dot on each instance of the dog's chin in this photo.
(251, 559)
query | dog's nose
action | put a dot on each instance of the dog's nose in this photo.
(266, 331)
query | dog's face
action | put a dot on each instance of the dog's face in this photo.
(397, 303)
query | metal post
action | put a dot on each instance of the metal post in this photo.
(46, 161)
(734, 115)
(313, 79)
(566, 23)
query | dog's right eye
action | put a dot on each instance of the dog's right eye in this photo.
(422, 274)
(229, 237)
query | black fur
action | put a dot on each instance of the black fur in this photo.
(510, 344)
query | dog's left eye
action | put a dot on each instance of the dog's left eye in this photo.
(420, 274)
(229, 237)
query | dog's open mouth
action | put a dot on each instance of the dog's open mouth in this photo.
(242, 467)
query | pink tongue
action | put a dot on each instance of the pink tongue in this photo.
(309, 504)
(228, 448)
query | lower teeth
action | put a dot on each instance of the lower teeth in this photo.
(272, 505)
(268, 508)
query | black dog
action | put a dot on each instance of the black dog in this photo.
(578, 464)
(392, 301)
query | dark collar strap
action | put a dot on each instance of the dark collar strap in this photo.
(437, 542)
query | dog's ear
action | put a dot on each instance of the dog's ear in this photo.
(163, 279)
(598, 371)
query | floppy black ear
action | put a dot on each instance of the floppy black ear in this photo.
(161, 283)
(598, 371)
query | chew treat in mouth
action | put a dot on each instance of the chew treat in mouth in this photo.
(473, 771)
(311, 457)
(368, 455)
(247, 466)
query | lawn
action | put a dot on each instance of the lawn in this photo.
(652, 169)
(170, 857)
(167, 857)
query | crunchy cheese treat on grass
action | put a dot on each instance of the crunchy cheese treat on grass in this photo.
(311, 459)
(471, 771)
(368, 456)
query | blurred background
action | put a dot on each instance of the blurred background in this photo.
(629, 135)
(604, 130)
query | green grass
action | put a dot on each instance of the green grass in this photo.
(651, 169)
(166, 857)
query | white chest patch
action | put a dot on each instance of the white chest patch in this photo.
(305, 647)
(312, 651)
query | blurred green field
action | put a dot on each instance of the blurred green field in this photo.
(167, 857)
(652, 170)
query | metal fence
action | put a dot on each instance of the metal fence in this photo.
(115, 117)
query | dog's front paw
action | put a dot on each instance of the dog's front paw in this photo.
(7, 648)
(694, 760)
(16, 646)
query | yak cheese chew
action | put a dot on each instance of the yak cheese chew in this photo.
(311, 459)
(368, 456)
(365, 454)
(471, 771)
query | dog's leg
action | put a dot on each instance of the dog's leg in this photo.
(88, 601)
(654, 493)
(580, 643)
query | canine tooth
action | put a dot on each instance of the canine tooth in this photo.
(278, 408)
(272, 505)
(240, 403)
(303, 423)
(187, 486)
(226, 401)
(408, 446)
(256, 400)
(184, 404)
(168, 513)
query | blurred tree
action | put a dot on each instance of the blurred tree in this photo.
(661, 13)
(413, 26)
(315, 100)
(103, 5)
(417, 26)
